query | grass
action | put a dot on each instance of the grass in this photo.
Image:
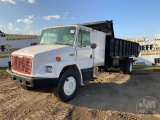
(3, 73)
(2, 70)
(146, 67)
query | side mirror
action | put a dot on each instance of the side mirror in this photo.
(93, 45)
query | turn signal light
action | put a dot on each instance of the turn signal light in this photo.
(58, 59)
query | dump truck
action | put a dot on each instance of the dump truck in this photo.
(68, 56)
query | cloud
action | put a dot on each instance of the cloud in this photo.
(157, 35)
(73, 18)
(17, 29)
(12, 28)
(9, 28)
(9, 1)
(32, 1)
(14, 1)
(30, 16)
(35, 32)
(49, 17)
(2, 27)
(65, 15)
(27, 21)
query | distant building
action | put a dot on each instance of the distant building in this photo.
(150, 51)
(12, 42)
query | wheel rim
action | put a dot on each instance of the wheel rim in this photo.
(69, 85)
(130, 67)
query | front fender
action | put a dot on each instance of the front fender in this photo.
(60, 65)
(57, 68)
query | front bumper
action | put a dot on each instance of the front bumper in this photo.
(33, 82)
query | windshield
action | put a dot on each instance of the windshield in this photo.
(59, 35)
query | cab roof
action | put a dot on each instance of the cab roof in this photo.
(104, 26)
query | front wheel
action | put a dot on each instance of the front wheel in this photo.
(68, 85)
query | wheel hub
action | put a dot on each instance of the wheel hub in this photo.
(131, 67)
(69, 85)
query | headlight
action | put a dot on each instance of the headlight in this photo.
(48, 69)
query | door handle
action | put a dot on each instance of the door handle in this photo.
(71, 54)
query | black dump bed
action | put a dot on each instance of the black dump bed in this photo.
(104, 26)
(121, 48)
(114, 47)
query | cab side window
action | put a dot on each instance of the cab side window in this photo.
(83, 38)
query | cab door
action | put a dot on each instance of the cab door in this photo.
(83, 50)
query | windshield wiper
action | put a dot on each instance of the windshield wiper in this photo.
(42, 44)
(56, 43)
(67, 44)
(62, 43)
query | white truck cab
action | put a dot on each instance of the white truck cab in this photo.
(63, 57)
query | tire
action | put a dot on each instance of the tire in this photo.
(68, 85)
(128, 66)
(107, 69)
(122, 66)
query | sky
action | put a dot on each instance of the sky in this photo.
(131, 18)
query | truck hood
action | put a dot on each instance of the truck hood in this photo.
(34, 50)
(45, 55)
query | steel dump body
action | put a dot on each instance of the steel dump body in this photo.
(114, 47)
(120, 48)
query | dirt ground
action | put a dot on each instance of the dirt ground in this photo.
(111, 96)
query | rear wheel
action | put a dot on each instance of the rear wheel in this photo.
(128, 66)
(68, 85)
(122, 66)
(107, 69)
